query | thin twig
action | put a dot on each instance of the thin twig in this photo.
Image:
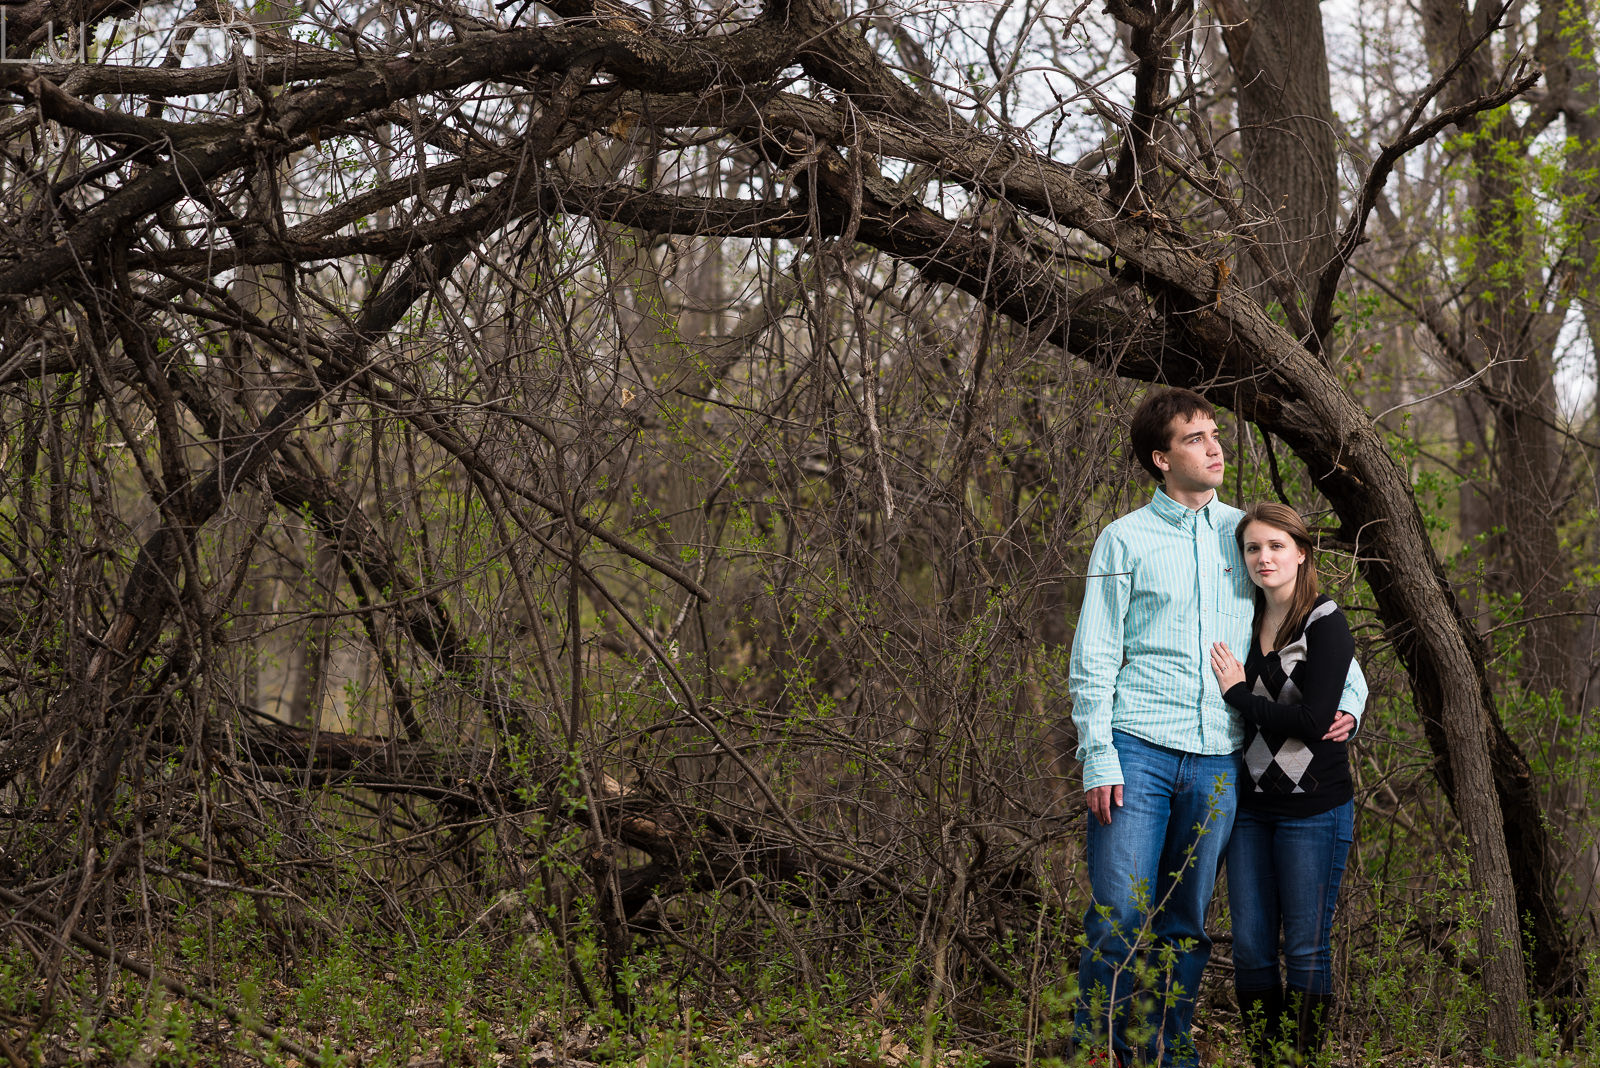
(1452, 388)
(1378, 176)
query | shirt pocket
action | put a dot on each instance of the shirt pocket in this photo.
(1235, 611)
(1236, 593)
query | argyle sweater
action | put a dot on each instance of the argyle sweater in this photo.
(1288, 700)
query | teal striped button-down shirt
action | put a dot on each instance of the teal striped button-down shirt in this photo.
(1164, 583)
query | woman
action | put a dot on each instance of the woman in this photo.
(1292, 833)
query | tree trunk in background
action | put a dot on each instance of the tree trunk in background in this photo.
(307, 683)
(1510, 326)
(260, 291)
(257, 291)
(1567, 49)
(1286, 135)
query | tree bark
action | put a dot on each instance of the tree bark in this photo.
(1286, 134)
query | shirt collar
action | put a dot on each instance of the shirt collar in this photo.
(1177, 514)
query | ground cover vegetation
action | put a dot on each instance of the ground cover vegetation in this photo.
(550, 533)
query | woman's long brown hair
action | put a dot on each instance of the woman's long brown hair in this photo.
(1282, 517)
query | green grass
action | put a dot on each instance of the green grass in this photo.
(501, 998)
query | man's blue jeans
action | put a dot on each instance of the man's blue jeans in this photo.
(1152, 871)
(1284, 874)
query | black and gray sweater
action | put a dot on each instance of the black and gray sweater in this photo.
(1288, 699)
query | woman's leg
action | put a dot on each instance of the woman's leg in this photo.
(1253, 901)
(1311, 855)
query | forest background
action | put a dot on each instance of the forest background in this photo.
(546, 533)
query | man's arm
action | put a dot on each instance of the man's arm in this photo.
(1096, 661)
(1352, 706)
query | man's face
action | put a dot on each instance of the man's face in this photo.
(1193, 463)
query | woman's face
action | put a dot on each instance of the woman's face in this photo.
(1272, 557)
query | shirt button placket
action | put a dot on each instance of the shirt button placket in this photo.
(1200, 621)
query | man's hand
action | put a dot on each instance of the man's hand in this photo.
(1102, 798)
(1344, 725)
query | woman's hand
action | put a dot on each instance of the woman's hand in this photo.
(1226, 666)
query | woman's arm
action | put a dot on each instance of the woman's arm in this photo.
(1319, 678)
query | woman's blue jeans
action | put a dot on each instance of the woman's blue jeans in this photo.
(1283, 877)
(1152, 871)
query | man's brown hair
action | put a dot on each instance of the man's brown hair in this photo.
(1150, 427)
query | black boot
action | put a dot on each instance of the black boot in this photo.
(1314, 1018)
(1261, 1013)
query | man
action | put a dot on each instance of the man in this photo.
(1157, 741)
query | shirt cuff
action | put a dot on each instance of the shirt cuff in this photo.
(1102, 768)
(1355, 716)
